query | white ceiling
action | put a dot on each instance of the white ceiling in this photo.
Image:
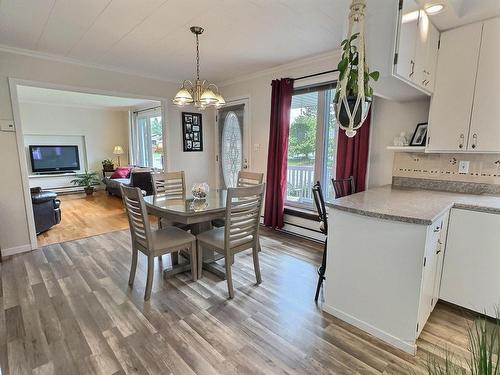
(151, 37)
(28, 94)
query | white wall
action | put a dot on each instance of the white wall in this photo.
(389, 119)
(102, 129)
(13, 221)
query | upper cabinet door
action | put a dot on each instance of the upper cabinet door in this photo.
(485, 127)
(406, 40)
(421, 47)
(416, 47)
(451, 105)
(431, 58)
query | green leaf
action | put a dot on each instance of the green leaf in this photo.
(354, 36)
(342, 66)
(375, 75)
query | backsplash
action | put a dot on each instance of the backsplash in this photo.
(484, 168)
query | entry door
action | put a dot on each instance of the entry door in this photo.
(232, 151)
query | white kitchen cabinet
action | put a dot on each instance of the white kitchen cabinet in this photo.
(484, 130)
(451, 105)
(426, 51)
(382, 279)
(431, 274)
(416, 47)
(471, 272)
(464, 108)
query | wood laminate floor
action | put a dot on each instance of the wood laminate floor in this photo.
(83, 216)
(67, 309)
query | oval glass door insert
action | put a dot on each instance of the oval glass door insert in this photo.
(231, 149)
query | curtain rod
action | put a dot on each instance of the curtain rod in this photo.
(316, 74)
(147, 109)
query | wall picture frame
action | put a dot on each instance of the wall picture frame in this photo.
(419, 135)
(192, 137)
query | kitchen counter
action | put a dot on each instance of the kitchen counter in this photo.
(412, 205)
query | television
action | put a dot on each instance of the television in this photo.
(54, 158)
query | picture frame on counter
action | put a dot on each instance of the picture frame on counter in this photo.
(419, 135)
(192, 136)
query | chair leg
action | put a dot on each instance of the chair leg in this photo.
(321, 274)
(133, 267)
(229, 277)
(194, 261)
(149, 282)
(256, 264)
(199, 259)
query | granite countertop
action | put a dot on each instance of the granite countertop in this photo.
(412, 205)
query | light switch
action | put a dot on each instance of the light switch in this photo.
(463, 166)
(256, 147)
(7, 125)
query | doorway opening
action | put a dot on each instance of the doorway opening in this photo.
(69, 140)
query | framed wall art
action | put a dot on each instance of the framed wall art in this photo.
(192, 136)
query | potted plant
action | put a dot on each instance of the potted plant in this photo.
(348, 68)
(107, 165)
(484, 352)
(87, 180)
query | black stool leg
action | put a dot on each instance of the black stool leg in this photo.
(321, 274)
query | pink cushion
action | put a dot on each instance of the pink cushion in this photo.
(121, 172)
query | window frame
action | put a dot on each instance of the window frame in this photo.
(135, 135)
(322, 137)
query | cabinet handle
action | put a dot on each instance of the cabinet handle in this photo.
(462, 139)
(474, 140)
(439, 246)
(412, 63)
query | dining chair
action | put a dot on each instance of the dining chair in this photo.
(241, 232)
(319, 202)
(344, 186)
(245, 179)
(153, 243)
(172, 185)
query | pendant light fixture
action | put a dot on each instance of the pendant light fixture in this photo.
(198, 92)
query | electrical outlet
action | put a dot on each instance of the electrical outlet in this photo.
(463, 166)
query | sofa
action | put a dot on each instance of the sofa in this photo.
(46, 209)
(138, 178)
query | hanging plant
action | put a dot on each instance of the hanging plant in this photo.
(354, 93)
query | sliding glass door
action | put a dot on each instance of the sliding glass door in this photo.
(147, 139)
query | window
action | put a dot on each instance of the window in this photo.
(147, 139)
(311, 144)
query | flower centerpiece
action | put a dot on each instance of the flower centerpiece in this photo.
(200, 190)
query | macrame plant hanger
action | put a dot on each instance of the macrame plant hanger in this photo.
(356, 24)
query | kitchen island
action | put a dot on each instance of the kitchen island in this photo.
(386, 250)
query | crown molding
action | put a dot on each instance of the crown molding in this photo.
(333, 55)
(79, 106)
(69, 60)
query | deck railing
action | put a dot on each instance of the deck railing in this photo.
(300, 180)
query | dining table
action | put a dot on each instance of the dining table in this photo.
(198, 214)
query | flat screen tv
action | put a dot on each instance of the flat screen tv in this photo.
(54, 158)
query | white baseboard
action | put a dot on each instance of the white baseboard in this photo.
(382, 335)
(16, 250)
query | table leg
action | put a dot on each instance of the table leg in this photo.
(210, 257)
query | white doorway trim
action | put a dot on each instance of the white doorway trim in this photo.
(247, 124)
(13, 85)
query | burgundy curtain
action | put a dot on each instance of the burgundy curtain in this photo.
(281, 101)
(352, 155)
